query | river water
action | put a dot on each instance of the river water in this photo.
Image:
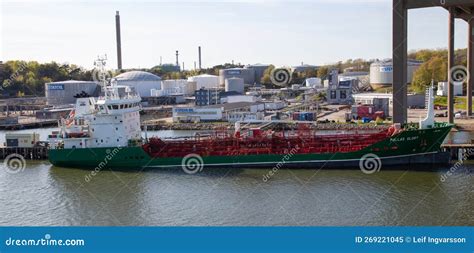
(44, 195)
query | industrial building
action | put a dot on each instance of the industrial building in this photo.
(363, 79)
(205, 81)
(381, 72)
(21, 140)
(251, 74)
(208, 96)
(241, 98)
(142, 82)
(413, 100)
(196, 114)
(62, 93)
(339, 92)
(274, 105)
(231, 112)
(164, 100)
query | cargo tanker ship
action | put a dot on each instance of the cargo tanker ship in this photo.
(106, 132)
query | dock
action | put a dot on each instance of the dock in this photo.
(30, 124)
(459, 151)
(33, 153)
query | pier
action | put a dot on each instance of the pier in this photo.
(34, 153)
(30, 124)
(460, 151)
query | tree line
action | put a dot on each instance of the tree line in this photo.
(27, 78)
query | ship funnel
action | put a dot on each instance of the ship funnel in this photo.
(428, 121)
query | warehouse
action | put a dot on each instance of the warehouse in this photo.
(62, 93)
(142, 82)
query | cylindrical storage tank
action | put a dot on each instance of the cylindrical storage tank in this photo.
(259, 70)
(381, 72)
(234, 84)
(205, 81)
(168, 85)
(190, 87)
(62, 93)
(247, 74)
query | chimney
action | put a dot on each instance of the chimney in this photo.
(177, 61)
(119, 43)
(199, 56)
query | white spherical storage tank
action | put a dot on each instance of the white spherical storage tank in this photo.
(142, 82)
(205, 81)
(234, 84)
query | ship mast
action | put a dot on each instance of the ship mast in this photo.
(101, 73)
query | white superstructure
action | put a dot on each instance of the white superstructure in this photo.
(112, 120)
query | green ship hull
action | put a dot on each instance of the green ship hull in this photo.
(411, 146)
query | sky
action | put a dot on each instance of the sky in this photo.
(283, 33)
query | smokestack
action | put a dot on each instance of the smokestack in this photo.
(119, 43)
(199, 55)
(183, 66)
(177, 61)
